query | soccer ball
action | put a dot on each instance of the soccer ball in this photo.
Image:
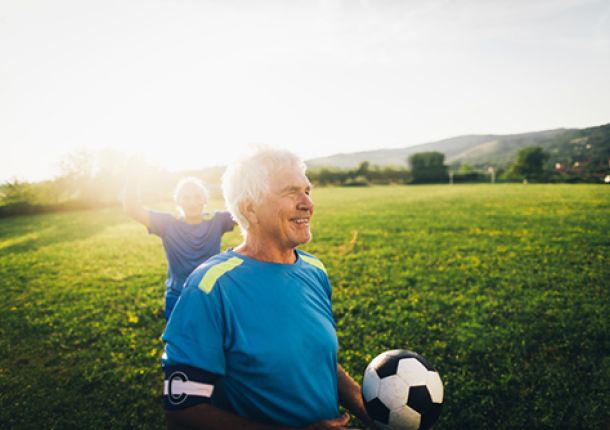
(402, 391)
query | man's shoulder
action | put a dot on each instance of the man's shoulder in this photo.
(160, 221)
(311, 260)
(221, 213)
(206, 275)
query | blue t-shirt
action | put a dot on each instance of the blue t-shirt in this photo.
(267, 329)
(187, 245)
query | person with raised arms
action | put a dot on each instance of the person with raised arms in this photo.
(252, 342)
(189, 240)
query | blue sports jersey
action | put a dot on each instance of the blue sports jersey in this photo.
(267, 329)
(187, 245)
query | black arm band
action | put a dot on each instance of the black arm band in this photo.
(185, 386)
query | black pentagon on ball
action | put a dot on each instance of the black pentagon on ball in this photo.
(430, 417)
(420, 401)
(378, 411)
(419, 398)
(389, 364)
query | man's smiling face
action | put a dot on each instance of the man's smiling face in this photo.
(285, 212)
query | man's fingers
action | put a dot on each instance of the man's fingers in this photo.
(334, 424)
(339, 422)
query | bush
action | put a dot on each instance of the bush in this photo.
(358, 181)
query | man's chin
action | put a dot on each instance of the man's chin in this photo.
(302, 239)
(306, 239)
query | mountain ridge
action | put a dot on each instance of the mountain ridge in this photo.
(474, 149)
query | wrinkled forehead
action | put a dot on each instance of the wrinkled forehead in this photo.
(287, 177)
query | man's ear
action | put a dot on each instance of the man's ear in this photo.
(248, 210)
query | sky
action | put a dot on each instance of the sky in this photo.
(195, 83)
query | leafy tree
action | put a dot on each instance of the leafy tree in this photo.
(328, 176)
(365, 173)
(529, 163)
(362, 170)
(16, 192)
(465, 168)
(428, 167)
(93, 175)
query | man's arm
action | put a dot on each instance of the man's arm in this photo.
(207, 417)
(350, 396)
(131, 202)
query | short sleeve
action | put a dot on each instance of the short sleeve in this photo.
(159, 222)
(226, 221)
(194, 334)
(328, 288)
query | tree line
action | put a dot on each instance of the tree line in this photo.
(531, 164)
(93, 180)
(425, 168)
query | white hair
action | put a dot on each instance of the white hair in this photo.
(190, 181)
(247, 180)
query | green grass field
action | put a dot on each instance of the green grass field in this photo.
(504, 288)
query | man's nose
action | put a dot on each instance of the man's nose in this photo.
(305, 203)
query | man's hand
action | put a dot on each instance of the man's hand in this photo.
(350, 397)
(336, 424)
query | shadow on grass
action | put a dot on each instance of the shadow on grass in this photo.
(31, 232)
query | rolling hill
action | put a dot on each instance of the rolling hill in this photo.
(480, 150)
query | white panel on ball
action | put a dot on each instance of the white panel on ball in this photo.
(377, 360)
(412, 371)
(393, 392)
(435, 387)
(370, 385)
(405, 418)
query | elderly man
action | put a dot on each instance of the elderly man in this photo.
(188, 241)
(252, 343)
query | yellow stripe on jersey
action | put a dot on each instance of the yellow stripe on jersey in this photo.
(211, 276)
(314, 262)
